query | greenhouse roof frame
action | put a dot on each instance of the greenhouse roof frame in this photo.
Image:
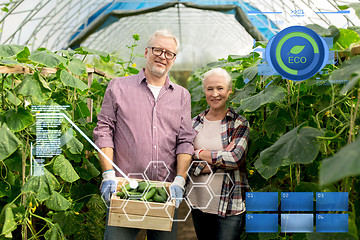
(53, 23)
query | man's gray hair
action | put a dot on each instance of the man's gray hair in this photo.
(164, 33)
(220, 72)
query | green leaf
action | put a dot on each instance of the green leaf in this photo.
(133, 70)
(307, 187)
(68, 53)
(247, 57)
(89, 231)
(46, 58)
(136, 37)
(18, 120)
(5, 189)
(12, 98)
(346, 159)
(42, 185)
(64, 169)
(10, 50)
(296, 49)
(343, 7)
(13, 162)
(347, 37)
(71, 143)
(23, 56)
(250, 73)
(356, 7)
(41, 79)
(54, 233)
(273, 124)
(355, 28)
(299, 145)
(106, 58)
(349, 70)
(82, 110)
(8, 142)
(331, 31)
(9, 222)
(268, 236)
(8, 62)
(57, 202)
(72, 157)
(243, 93)
(69, 80)
(68, 221)
(96, 206)
(352, 83)
(223, 63)
(272, 93)
(264, 170)
(32, 87)
(330, 236)
(77, 67)
(85, 50)
(87, 171)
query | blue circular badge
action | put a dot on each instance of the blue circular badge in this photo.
(297, 53)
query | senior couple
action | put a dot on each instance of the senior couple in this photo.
(147, 118)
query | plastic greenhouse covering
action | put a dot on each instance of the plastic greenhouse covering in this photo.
(281, 154)
(208, 30)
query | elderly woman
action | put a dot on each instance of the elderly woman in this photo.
(221, 143)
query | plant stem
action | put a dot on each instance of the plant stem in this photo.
(297, 105)
(289, 105)
(342, 113)
(12, 86)
(131, 55)
(2, 91)
(336, 136)
(291, 180)
(324, 109)
(31, 229)
(351, 119)
(356, 108)
(84, 57)
(298, 174)
(44, 219)
(23, 163)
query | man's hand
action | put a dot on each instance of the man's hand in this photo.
(177, 189)
(108, 185)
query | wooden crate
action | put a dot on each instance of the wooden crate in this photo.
(157, 215)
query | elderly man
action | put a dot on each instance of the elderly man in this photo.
(146, 118)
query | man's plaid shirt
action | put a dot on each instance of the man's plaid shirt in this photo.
(235, 133)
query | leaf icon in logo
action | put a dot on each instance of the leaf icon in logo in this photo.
(296, 49)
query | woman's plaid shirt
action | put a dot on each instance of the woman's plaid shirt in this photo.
(235, 132)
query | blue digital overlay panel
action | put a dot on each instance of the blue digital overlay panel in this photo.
(261, 223)
(297, 201)
(297, 223)
(262, 201)
(332, 223)
(332, 201)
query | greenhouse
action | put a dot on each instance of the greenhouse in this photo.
(153, 119)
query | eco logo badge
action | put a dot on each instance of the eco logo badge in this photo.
(297, 53)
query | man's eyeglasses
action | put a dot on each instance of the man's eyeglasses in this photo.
(158, 51)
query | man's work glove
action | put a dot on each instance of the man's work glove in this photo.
(177, 189)
(108, 185)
